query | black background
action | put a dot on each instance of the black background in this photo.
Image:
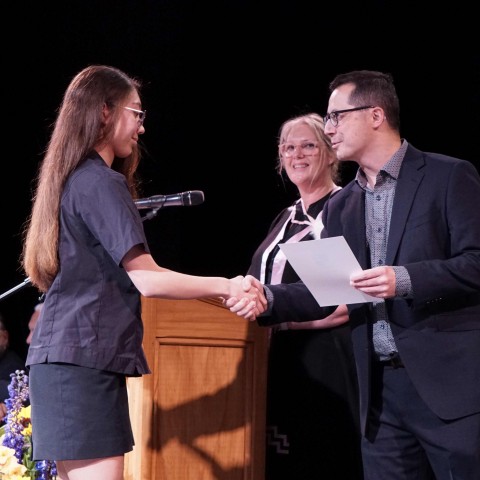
(219, 79)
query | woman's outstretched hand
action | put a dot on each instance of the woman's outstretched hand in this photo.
(250, 301)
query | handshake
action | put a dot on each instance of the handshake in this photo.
(247, 294)
(247, 297)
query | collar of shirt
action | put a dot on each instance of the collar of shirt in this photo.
(392, 167)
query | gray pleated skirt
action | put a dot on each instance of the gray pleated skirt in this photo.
(78, 413)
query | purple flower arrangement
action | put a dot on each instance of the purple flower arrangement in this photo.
(16, 437)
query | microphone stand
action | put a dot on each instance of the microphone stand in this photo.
(151, 214)
(27, 281)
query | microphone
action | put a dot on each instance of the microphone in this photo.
(184, 199)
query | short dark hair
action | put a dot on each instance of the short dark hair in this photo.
(372, 88)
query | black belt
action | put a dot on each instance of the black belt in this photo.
(394, 362)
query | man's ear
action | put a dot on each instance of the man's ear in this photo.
(378, 115)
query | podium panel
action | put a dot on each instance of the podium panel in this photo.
(200, 415)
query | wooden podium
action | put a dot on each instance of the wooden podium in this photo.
(200, 415)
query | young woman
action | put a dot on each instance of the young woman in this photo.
(86, 249)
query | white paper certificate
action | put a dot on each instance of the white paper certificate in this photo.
(325, 266)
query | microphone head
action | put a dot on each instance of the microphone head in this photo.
(194, 197)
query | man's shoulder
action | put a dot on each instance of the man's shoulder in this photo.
(344, 192)
(439, 159)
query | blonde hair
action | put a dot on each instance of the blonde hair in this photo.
(315, 122)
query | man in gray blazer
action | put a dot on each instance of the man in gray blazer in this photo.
(412, 220)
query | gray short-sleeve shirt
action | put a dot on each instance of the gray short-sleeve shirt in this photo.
(92, 312)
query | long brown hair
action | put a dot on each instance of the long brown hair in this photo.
(77, 129)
